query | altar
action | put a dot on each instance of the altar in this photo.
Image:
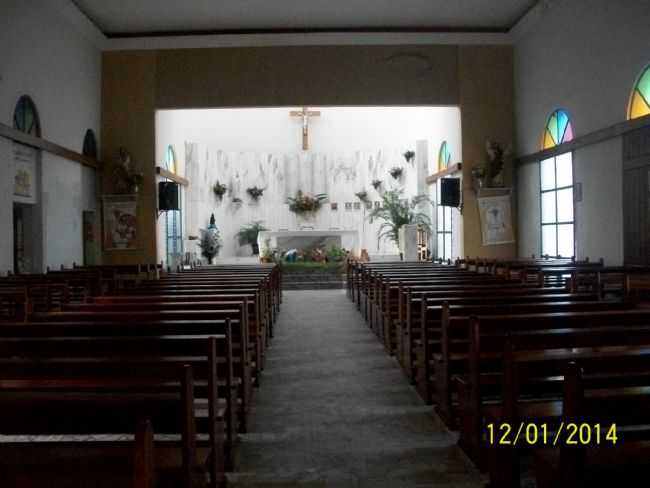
(309, 239)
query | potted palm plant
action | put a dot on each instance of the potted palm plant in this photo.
(248, 235)
(395, 212)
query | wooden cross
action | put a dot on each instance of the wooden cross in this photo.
(305, 114)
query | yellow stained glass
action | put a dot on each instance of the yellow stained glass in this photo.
(638, 106)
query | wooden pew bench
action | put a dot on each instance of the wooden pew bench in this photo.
(451, 327)
(57, 360)
(543, 342)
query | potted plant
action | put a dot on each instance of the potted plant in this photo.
(396, 172)
(409, 156)
(210, 242)
(219, 190)
(248, 235)
(376, 184)
(395, 213)
(255, 192)
(304, 202)
(362, 195)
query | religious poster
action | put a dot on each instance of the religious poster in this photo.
(25, 173)
(120, 222)
(496, 220)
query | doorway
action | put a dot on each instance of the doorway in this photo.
(636, 197)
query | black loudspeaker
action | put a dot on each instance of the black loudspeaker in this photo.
(167, 196)
(450, 192)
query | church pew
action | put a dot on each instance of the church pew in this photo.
(385, 314)
(258, 317)
(597, 465)
(448, 324)
(411, 332)
(73, 358)
(56, 407)
(255, 338)
(162, 323)
(14, 304)
(213, 287)
(477, 371)
(618, 378)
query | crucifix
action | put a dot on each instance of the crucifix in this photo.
(305, 114)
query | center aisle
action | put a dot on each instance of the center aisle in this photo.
(334, 410)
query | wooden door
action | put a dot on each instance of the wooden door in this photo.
(636, 196)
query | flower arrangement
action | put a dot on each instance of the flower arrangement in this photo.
(135, 181)
(409, 156)
(362, 195)
(304, 202)
(376, 184)
(396, 172)
(255, 192)
(210, 242)
(219, 190)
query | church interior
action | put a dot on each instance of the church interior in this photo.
(357, 244)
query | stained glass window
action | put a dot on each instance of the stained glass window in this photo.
(90, 144)
(170, 159)
(639, 105)
(26, 117)
(444, 156)
(558, 130)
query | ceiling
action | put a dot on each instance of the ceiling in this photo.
(128, 18)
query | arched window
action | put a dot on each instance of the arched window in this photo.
(444, 156)
(639, 105)
(170, 159)
(444, 234)
(558, 130)
(556, 190)
(173, 220)
(90, 145)
(26, 117)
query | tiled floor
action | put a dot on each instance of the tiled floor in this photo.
(334, 410)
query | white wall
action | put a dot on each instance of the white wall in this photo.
(55, 61)
(583, 56)
(349, 147)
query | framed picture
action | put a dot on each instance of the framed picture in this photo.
(496, 220)
(357, 205)
(334, 207)
(348, 206)
(369, 205)
(120, 222)
(377, 204)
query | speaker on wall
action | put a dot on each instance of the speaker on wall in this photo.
(450, 192)
(167, 196)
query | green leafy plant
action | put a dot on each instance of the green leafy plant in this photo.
(304, 202)
(376, 184)
(255, 192)
(362, 195)
(336, 253)
(248, 235)
(409, 156)
(396, 172)
(395, 213)
(219, 190)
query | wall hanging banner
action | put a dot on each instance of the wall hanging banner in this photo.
(496, 220)
(120, 222)
(24, 173)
